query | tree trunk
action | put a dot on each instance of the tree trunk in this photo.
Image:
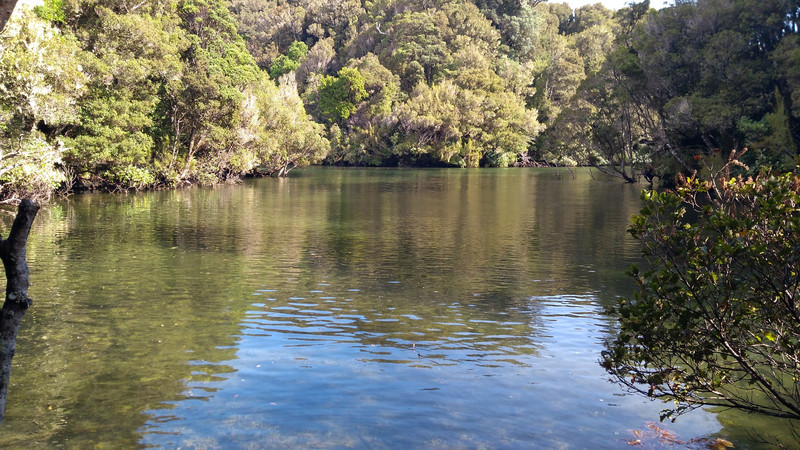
(6, 8)
(12, 252)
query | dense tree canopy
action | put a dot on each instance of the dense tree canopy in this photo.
(689, 81)
(144, 94)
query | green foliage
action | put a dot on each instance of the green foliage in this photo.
(715, 320)
(464, 127)
(340, 95)
(335, 19)
(28, 168)
(40, 76)
(468, 28)
(268, 27)
(435, 90)
(580, 88)
(51, 11)
(40, 80)
(201, 110)
(289, 62)
(165, 87)
(677, 84)
(371, 126)
(317, 61)
(297, 51)
(418, 49)
(133, 56)
(130, 177)
(282, 65)
(606, 126)
(283, 135)
(769, 140)
(787, 58)
(215, 41)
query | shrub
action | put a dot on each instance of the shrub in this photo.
(716, 319)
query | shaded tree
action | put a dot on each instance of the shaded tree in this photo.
(618, 122)
(319, 60)
(289, 62)
(268, 27)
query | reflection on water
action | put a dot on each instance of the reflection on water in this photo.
(322, 371)
(338, 308)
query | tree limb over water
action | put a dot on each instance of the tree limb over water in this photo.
(12, 252)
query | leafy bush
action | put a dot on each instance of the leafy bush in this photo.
(716, 319)
(131, 177)
(29, 168)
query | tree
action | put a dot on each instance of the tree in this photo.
(370, 127)
(268, 26)
(415, 47)
(468, 28)
(716, 319)
(340, 95)
(40, 82)
(787, 58)
(430, 121)
(283, 136)
(133, 56)
(709, 67)
(465, 127)
(608, 123)
(12, 252)
(335, 18)
(202, 109)
(618, 121)
(317, 62)
(289, 62)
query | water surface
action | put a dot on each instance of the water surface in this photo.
(335, 309)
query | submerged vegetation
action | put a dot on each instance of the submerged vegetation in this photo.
(111, 95)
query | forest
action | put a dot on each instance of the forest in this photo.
(120, 95)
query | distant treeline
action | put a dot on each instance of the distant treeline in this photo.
(100, 94)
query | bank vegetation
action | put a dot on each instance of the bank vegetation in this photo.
(121, 95)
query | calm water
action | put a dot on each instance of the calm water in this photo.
(337, 308)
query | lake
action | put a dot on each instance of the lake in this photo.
(357, 308)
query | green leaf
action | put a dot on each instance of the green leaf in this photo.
(770, 335)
